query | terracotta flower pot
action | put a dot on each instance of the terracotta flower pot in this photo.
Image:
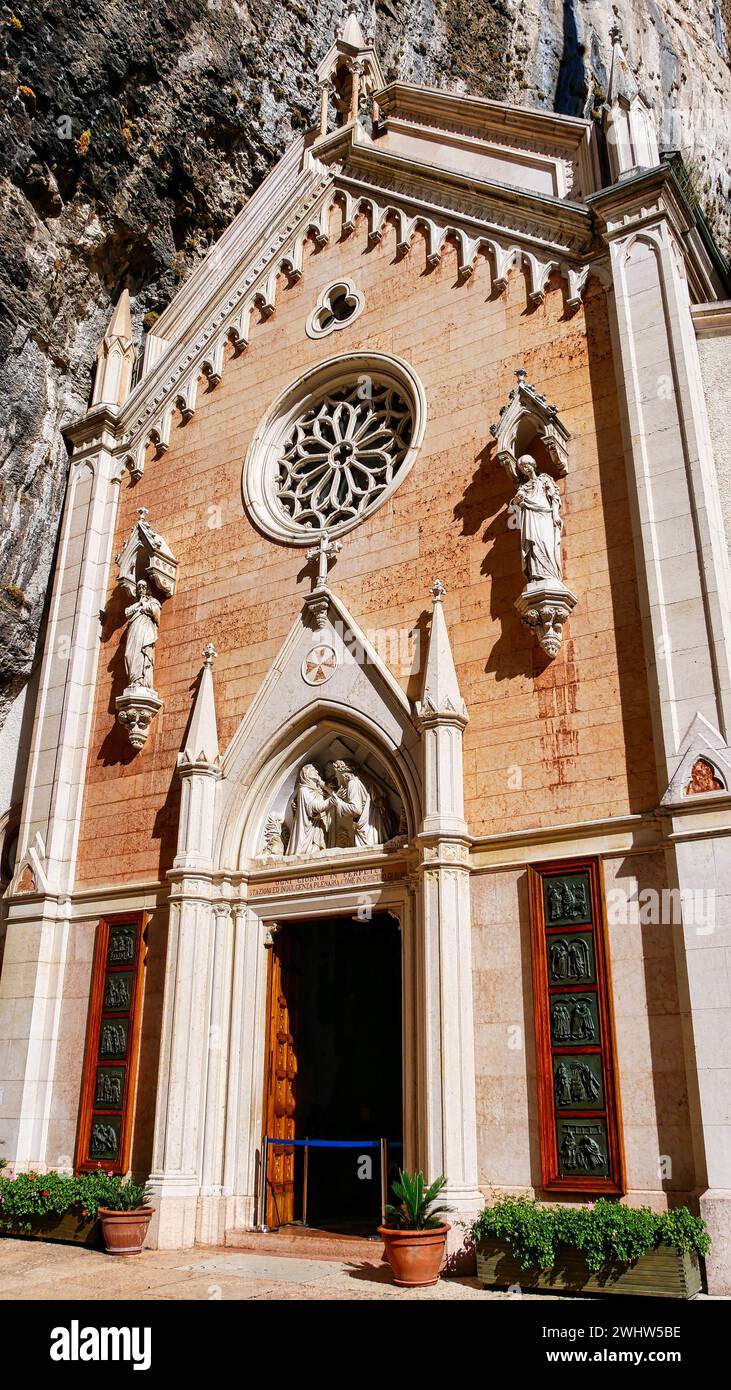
(124, 1231)
(415, 1257)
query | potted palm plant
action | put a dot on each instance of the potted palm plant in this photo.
(415, 1236)
(125, 1216)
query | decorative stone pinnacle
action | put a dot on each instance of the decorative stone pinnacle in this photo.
(437, 590)
(615, 33)
(142, 512)
(521, 374)
(209, 654)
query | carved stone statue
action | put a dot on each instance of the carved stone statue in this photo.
(536, 512)
(142, 633)
(344, 809)
(356, 807)
(312, 806)
(276, 835)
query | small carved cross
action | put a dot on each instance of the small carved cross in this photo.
(437, 590)
(322, 552)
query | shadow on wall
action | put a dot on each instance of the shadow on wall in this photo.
(622, 592)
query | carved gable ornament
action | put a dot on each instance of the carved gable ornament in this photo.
(525, 419)
(146, 554)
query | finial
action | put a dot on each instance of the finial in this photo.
(437, 590)
(143, 512)
(522, 375)
(323, 552)
(209, 654)
(615, 33)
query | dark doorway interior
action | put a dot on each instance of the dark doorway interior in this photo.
(346, 1037)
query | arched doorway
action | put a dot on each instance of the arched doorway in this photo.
(333, 1069)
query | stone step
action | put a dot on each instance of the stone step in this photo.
(306, 1241)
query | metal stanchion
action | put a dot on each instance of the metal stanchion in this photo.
(263, 1193)
(384, 1179)
(305, 1174)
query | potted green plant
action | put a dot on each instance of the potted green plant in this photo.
(125, 1216)
(68, 1207)
(415, 1235)
(602, 1248)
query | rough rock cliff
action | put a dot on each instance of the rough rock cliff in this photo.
(132, 133)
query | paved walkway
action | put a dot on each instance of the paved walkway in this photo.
(34, 1269)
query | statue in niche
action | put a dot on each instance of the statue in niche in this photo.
(312, 805)
(536, 512)
(142, 632)
(361, 808)
(345, 809)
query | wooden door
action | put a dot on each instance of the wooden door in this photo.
(280, 1098)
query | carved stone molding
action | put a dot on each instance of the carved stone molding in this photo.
(136, 709)
(527, 416)
(147, 553)
(544, 607)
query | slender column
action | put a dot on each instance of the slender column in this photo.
(325, 89)
(682, 567)
(449, 1106)
(31, 992)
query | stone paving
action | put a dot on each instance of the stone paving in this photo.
(39, 1270)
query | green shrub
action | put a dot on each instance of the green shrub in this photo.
(51, 1194)
(605, 1233)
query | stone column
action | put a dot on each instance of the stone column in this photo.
(32, 984)
(683, 578)
(449, 1132)
(188, 1145)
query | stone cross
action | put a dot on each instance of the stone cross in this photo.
(437, 590)
(209, 654)
(323, 552)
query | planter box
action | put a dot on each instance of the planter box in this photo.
(70, 1227)
(661, 1273)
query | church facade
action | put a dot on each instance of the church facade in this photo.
(379, 784)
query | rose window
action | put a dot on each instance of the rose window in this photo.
(334, 446)
(342, 455)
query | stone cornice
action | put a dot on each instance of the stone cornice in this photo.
(554, 225)
(640, 202)
(712, 320)
(483, 116)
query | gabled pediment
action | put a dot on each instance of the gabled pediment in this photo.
(704, 767)
(238, 283)
(327, 675)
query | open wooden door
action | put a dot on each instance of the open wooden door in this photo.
(280, 1098)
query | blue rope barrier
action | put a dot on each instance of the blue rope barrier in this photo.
(325, 1143)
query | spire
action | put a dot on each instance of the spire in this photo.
(351, 32)
(441, 694)
(622, 81)
(120, 324)
(115, 357)
(201, 744)
(627, 120)
(349, 73)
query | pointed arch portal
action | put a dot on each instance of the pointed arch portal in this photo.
(255, 930)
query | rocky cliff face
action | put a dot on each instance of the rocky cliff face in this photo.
(132, 134)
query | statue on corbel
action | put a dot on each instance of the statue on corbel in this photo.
(145, 563)
(527, 421)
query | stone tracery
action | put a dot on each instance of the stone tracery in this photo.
(342, 454)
